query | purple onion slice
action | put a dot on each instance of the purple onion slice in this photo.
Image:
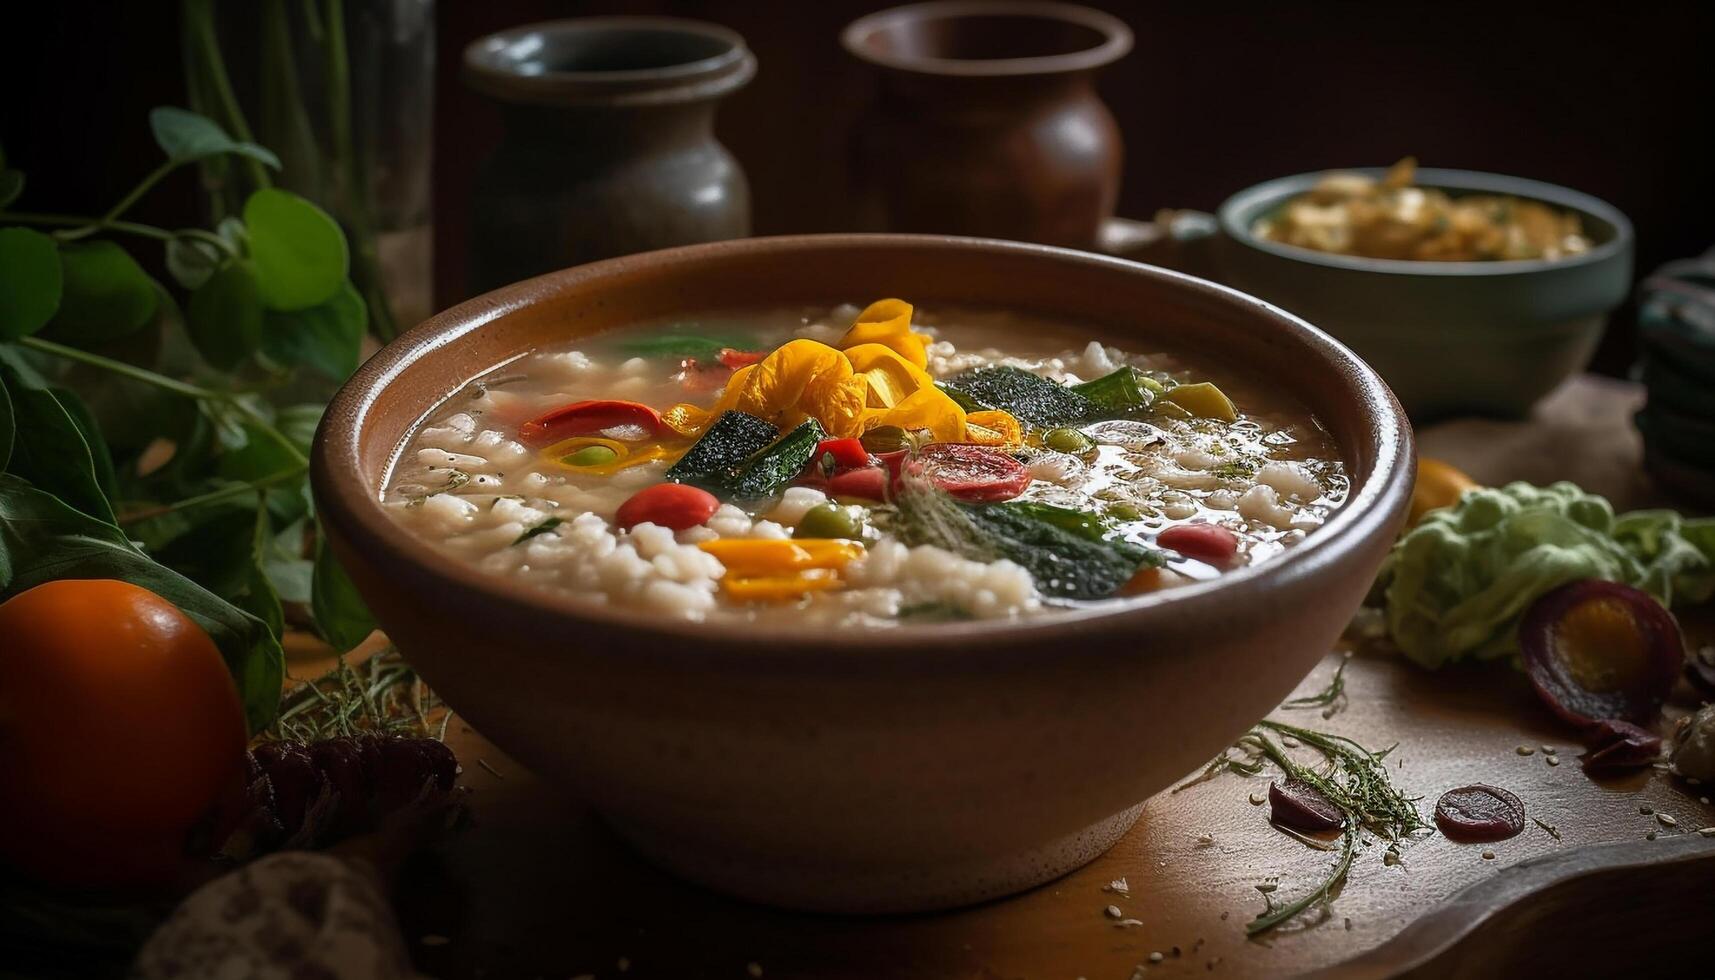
(1596, 650)
(1299, 805)
(1616, 746)
(1479, 813)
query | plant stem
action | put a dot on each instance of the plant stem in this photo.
(350, 191)
(199, 23)
(155, 176)
(165, 383)
(82, 226)
(213, 496)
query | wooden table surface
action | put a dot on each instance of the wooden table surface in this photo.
(538, 887)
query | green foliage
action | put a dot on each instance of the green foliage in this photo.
(49, 447)
(327, 339)
(341, 616)
(185, 137)
(107, 294)
(30, 281)
(300, 253)
(225, 316)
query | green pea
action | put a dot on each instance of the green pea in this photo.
(1124, 512)
(887, 439)
(590, 456)
(831, 521)
(1067, 441)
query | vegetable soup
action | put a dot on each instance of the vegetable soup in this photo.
(868, 467)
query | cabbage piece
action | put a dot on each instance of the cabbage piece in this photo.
(1455, 586)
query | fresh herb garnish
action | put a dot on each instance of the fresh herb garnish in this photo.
(1331, 698)
(1352, 777)
(456, 479)
(543, 528)
(384, 694)
(1124, 391)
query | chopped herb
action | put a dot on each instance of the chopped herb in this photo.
(543, 528)
(1029, 397)
(456, 479)
(1332, 698)
(1124, 391)
(715, 459)
(1236, 469)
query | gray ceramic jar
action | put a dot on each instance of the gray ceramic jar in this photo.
(609, 146)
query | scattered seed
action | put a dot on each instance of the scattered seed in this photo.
(1205, 839)
(1224, 916)
(1113, 912)
(1525, 750)
(754, 969)
(1488, 855)
(1390, 857)
(1666, 820)
(1348, 925)
(1645, 809)
(1258, 798)
(1289, 741)
(1703, 800)
(1118, 886)
(1156, 957)
(1266, 887)
(1128, 923)
(1553, 761)
(1694, 781)
(1549, 750)
(491, 770)
(434, 940)
(1707, 831)
(1650, 836)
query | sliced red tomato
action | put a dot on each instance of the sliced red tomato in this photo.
(974, 474)
(866, 483)
(1211, 544)
(588, 417)
(670, 505)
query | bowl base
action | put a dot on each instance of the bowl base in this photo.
(819, 886)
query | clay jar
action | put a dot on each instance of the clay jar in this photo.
(988, 122)
(609, 146)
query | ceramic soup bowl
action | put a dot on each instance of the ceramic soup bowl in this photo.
(887, 770)
(1451, 338)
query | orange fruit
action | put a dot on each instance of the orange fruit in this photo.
(120, 727)
(1438, 485)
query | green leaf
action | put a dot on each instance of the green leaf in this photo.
(87, 426)
(49, 448)
(107, 294)
(298, 423)
(8, 426)
(223, 554)
(192, 261)
(299, 251)
(225, 316)
(699, 346)
(30, 281)
(232, 229)
(259, 455)
(283, 561)
(185, 136)
(326, 338)
(11, 185)
(341, 616)
(42, 539)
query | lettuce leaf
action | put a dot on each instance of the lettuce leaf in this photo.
(1454, 587)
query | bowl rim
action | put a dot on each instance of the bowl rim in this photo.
(1116, 40)
(1373, 507)
(1238, 212)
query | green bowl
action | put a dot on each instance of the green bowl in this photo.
(1450, 338)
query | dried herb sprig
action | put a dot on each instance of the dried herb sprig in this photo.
(1331, 698)
(383, 694)
(1353, 778)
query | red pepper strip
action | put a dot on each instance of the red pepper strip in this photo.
(848, 453)
(584, 418)
(736, 359)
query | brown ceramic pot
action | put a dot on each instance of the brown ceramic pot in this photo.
(882, 770)
(609, 146)
(987, 122)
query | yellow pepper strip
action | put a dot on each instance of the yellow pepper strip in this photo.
(888, 322)
(780, 588)
(755, 557)
(1203, 400)
(891, 377)
(993, 428)
(625, 456)
(926, 408)
(1438, 484)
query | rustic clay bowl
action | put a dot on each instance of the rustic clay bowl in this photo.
(864, 771)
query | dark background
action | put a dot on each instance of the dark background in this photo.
(1610, 99)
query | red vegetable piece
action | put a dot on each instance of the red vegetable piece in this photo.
(1596, 650)
(736, 359)
(1616, 746)
(1296, 803)
(671, 505)
(587, 417)
(867, 483)
(1210, 544)
(1479, 813)
(294, 778)
(847, 453)
(974, 474)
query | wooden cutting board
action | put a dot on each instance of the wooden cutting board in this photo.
(540, 888)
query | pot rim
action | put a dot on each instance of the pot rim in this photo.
(1237, 213)
(1116, 43)
(349, 500)
(486, 70)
